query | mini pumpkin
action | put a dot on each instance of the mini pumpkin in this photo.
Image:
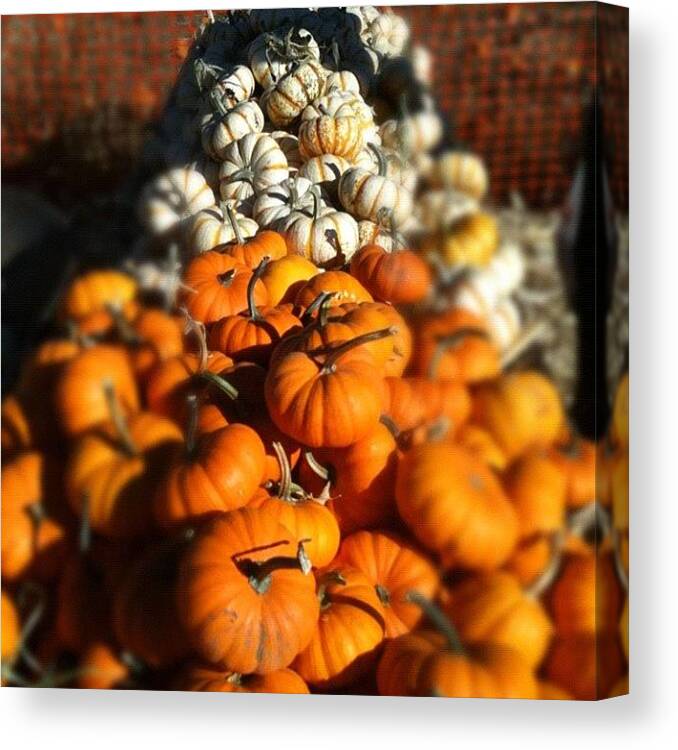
(223, 129)
(462, 171)
(245, 595)
(287, 98)
(217, 226)
(251, 165)
(173, 198)
(200, 678)
(329, 134)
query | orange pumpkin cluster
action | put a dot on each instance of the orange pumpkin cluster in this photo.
(288, 483)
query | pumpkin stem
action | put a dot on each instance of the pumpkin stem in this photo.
(85, 530)
(440, 620)
(332, 576)
(222, 384)
(127, 334)
(259, 574)
(321, 303)
(445, 343)
(384, 594)
(390, 425)
(197, 328)
(241, 175)
(226, 279)
(75, 334)
(118, 419)
(191, 423)
(543, 581)
(256, 275)
(234, 225)
(284, 490)
(329, 365)
(31, 622)
(530, 335)
(316, 467)
(381, 161)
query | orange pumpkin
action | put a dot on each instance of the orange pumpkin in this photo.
(493, 608)
(199, 678)
(145, 620)
(252, 335)
(395, 569)
(246, 602)
(455, 345)
(157, 337)
(94, 291)
(306, 393)
(350, 628)
(218, 471)
(577, 460)
(11, 629)
(399, 277)
(586, 597)
(482, 444)
(216, 287)
(520, 410)
(586, 665)
(361, 479)
(250, 252)
(101, 668)
(435, 663)
(537, 488)
(116, 470)
(284, 277)
(81, 401)
(455, 506)
(345, 287)
(306, 517)
(33, 532)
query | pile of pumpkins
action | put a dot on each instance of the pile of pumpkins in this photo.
(290, 459)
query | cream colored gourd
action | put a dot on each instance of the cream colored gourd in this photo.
(273, 54)
(286, 100)
(224, 129)
(438, 210)
(326, 168)
(345, 104)
(365, 195)
(388, 34)
(278, 201)
(216, 226)
(412, 134)
(251, 165)
(327, 237)
(289, 144)
(342, 81)
(341, 136)
(504, 323)
(462, 171)
(373, 233)
(232, 88)
(173, 197)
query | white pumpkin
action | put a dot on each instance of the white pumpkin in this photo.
(278, 201)
(216, 226)
(238, 122)
(324, 235)
(388, 34)
(364, 15)
(273, 54)
(325, 170)
(367, 195)
(422, 64)
(289, 144)
(172, 198)
(341, 136)
(251, 164)
(286, 100)
(396, 168)
(414, 133)
(343, 104)
(343, 81)
(373, 233)
(504, 323)
(234, 86)
(462, 171)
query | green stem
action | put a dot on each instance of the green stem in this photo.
(330, 362)
(256, 276)
(441, 622)
(317, 468)
(234, 224)
(381, 161)
(321, 300)
(549, 574)
(118, 419)
(191, 423)
(223, 385)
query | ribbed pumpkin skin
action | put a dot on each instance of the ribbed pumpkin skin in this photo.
(421, 664)
(230, 624)
(494, 609)
(217, 287)
(345, 287)
(200, 678)
(80, 393)
(395, 569)
(455, 506)
(221, 474)
(350, 628)
(400, 277)
(120, 486)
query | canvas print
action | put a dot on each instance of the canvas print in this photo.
(315, 351)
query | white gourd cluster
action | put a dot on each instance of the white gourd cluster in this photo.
(301, 121)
